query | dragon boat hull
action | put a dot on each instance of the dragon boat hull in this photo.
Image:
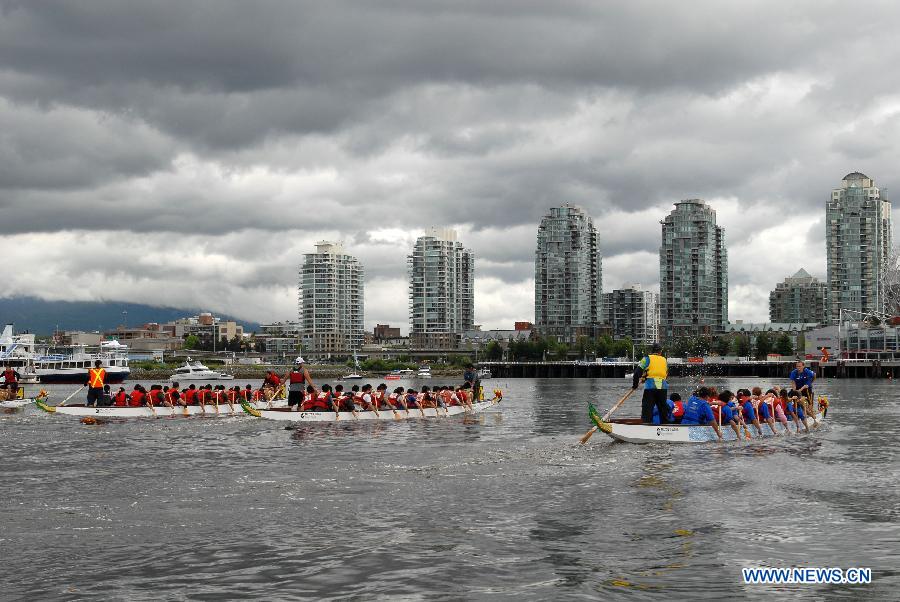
(631, 430)
(287, 415)
(144, 411)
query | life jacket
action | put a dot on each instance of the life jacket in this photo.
(678, 411)
(172, 396)
(120, 399)
(412, 400)
(190, 396)
(295, 377)
(231, 395)
(9, 375)
(137, 399)
(322, 401)
(716, 410)
(258, 395)
(658, 367)
(96, 378)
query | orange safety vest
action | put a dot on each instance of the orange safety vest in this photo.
(96, 378)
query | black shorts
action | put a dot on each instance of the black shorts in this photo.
(94, 394)
(295, 398)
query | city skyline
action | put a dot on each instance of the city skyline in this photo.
(207, 166)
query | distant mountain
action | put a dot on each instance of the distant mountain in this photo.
(42, 317)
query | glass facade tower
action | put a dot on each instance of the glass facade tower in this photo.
(441, 290)
(693, 272)
(859, 236)
(568, 275)
(331, 294)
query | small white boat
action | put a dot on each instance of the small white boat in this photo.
(632, 430)
(424, 372)
(352, 376)
(197, 371)
(15, 404)
(288, 415)
(484, 373)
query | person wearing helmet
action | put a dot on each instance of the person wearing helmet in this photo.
(654, 370)
(297, 379)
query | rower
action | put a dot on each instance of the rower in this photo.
(136, 399)
(173, 395)
(95, 380)
(654, 370)
(190, 395)
(380, 398)
(803, 378)
(296, 378)
(412, 399)
(120, 399)
(678, 407)
(106, 399)
(395, 399)
(365, 398)
(763, 412)
(698, 412)
(11, 381)
(726, 412)
(747, 409)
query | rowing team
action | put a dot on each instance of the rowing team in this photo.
(162, 395)
(365, 398)
(707, 406)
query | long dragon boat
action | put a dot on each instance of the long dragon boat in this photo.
(632, 430)
(163, 411)
(288, 415)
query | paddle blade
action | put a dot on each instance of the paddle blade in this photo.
(588, 435)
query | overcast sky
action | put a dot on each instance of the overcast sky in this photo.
(188, 153)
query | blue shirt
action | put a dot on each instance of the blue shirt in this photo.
(727, 414)
(669, 417)
(697, 411)
(749, 412)
(802, 378)
(764, 412)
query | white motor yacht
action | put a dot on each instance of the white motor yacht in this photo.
(197, 371)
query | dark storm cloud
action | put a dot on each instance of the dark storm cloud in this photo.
(257, 128)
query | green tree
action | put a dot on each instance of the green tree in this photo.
(722, 345)
(783, 345)
(493, 351)
(741, 345)
(191, 341)
(763, 345)
(604, 346)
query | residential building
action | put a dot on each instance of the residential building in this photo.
(280, 338)
(441, 290)
(693, 272)
(858, 237)
(149, 337)
(800, 298)
(632, 313)
(384, 331)
(794, 330)
(568, 275)
(209, 329)
(331, 292)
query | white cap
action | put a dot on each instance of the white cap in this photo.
(299, 360)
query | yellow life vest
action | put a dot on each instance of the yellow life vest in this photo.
(658, 367)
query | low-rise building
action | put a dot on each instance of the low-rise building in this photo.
(794, 330)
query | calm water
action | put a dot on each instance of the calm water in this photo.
(507, 505)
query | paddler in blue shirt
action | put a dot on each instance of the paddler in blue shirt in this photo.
(803, 378)
(698, 412)
(654, 370)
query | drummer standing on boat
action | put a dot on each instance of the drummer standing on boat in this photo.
(11, 381)
(803, 378)
(95, 381)
(297, 379)
(654, 369)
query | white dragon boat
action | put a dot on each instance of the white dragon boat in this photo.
(631, 430)
(289, 415)
(158, 411)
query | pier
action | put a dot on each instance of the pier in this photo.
(767, 369)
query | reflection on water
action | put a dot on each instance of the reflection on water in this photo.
(504, 504)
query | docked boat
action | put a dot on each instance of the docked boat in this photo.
(288, 415)
(424, 372)
(632, 430)
(392, 376)
(484, 373)
(197, 371)
(18, 352)
(69, 365)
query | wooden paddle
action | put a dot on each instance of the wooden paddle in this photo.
(149, 399)
(606, 416)
(75, 392)
(275, 396)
